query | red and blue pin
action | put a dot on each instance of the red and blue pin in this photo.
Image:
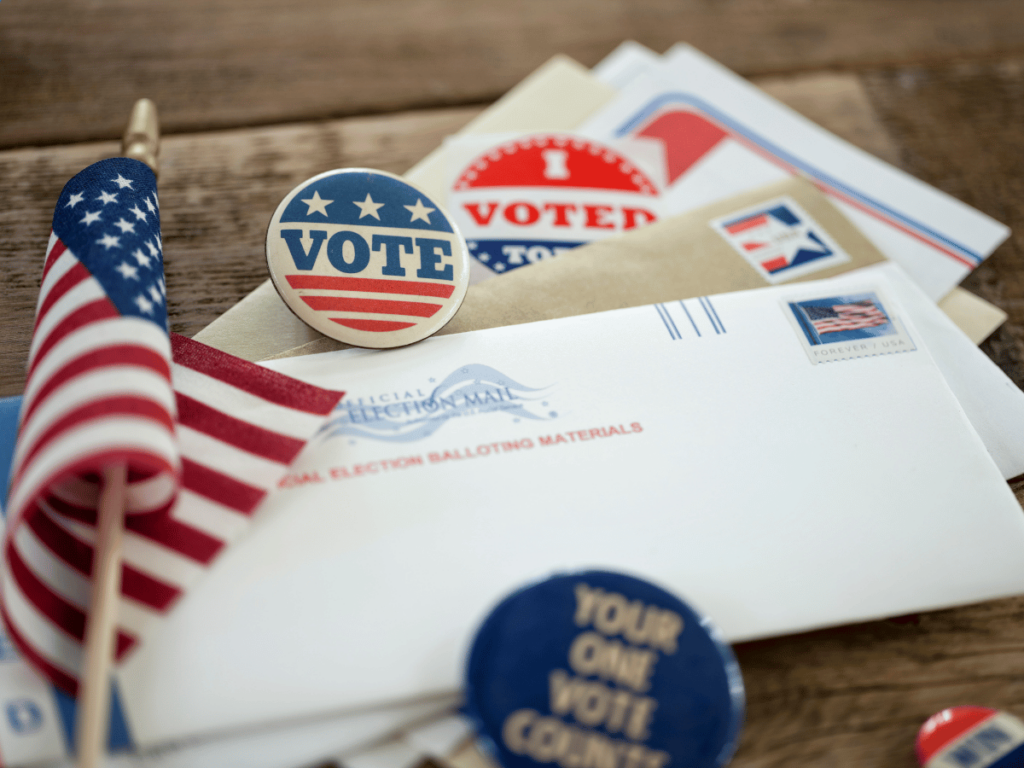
(971, 737)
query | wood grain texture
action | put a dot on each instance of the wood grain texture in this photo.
(70, 70)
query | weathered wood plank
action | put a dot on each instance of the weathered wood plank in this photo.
(70, 70)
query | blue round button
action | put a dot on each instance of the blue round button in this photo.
(603, 670)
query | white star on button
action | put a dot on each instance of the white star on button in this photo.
(90, 217)
(75, 199)
(419, 211)
(368, 207)
(144, 304)
(108, 197)
(316, 204)
(122, 182)
(142, 258)
(124, 226)
(139, 214)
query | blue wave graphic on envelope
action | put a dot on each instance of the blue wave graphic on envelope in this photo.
(471, 390)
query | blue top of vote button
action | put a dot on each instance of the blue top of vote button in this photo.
(602, 669)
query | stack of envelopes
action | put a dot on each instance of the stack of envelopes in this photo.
(719, 364)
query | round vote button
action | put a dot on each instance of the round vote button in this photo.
(971, 737)
(367, 258)
(601, 669)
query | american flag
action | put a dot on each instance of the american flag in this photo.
(204, 435)
(845, 317)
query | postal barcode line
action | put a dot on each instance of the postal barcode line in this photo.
(709, 308)
(690, 318)
(665, 315)
(673, 331)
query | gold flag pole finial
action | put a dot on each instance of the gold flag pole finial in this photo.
(142, 136)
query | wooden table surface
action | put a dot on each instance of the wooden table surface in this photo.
(256, 95)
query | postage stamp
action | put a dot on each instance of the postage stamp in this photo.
(847, 327)
(780, 240)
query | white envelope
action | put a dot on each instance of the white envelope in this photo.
(722, 135)
(693, 443)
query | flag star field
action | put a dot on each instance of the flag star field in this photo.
(108, 216)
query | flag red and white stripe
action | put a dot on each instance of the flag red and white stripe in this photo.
(240, 426)
(203, 438)
(850, 317)
(98, 388)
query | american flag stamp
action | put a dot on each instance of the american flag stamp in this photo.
(780, 240)
(848, 327)
(367, 258)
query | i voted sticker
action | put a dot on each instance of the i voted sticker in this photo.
(602, 669)
(537, 196)
(366, 258)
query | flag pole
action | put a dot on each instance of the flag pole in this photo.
(100, 628)
(141, 142)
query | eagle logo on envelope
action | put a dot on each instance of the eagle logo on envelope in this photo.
(413, 414)
(780, 240)
(530, 199)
